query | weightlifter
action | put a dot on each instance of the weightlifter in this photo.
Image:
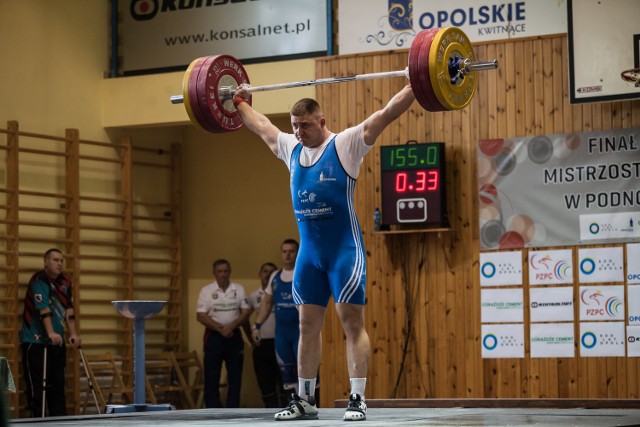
(331, 259)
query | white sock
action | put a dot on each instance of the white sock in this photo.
(306, 387)
(358, 385)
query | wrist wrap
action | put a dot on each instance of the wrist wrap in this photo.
(237, 100)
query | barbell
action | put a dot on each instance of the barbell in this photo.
(441, 71)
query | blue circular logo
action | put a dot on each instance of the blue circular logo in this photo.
(594, 228)
(587, 266)
(588, 340)
(488, 270)
(490, 341)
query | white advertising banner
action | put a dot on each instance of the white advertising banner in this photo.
(634, 304)
(563, 189)
(601, 302)
(633, 263)
(633, 341)
(502, 341)
(500, 268)
(501, 305)
(169, 34)
(551, 304)
(552, 340)
(601, 265)
(598, 339)
(609, 226)
(375, 25)
(550, 267)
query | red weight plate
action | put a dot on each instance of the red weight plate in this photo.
(201, 96)
(418, 68)
(223, 70)
(424, 73)
(193, 97)
(414, 78)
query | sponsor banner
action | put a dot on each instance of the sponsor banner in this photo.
(551, 304)
(633, 341)
(633, 263)
(601, 302)
(502, 341)
(550, 267)
(601, 265)
(552, 340)
(500, 268)
(169, 34)
(598, 339)
(375, 25)
(556, 190)
(610, 226)
(634, 304)
(501, 305)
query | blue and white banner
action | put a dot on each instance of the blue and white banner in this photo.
(552, 340)
(168, 34)
(634, 305)
(502, 341)
(500, 268)
(633, 263)
(550, 267)
(601, 302)
(501, 305)
(551, 304)
(375, 25)
(599, 265)
(602, 339)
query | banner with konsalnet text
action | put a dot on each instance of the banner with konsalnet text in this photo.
(559, 190)
(166, 35)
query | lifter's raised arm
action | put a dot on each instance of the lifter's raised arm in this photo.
(378, 121)
(257, 122)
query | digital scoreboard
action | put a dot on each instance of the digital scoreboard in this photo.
(413, 184)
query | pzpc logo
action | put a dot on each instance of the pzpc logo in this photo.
(144, 10)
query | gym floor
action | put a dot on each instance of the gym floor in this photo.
(375, 417)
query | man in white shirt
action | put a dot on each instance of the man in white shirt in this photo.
(222, 309)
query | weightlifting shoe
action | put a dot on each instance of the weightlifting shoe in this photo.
(298, 409)
(356, 409)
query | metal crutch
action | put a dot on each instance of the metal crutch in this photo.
(44, 381)
(86, 372)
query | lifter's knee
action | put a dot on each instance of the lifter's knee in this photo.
(311, 320)
(352, 318)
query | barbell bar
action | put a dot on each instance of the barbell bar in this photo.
(442, 72)
(227, 92)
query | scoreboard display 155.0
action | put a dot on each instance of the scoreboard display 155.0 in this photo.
(413, 184)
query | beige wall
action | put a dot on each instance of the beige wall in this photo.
(236, 204)
(54, 56)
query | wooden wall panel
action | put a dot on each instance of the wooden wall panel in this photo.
(98, 216)
(527, 95)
